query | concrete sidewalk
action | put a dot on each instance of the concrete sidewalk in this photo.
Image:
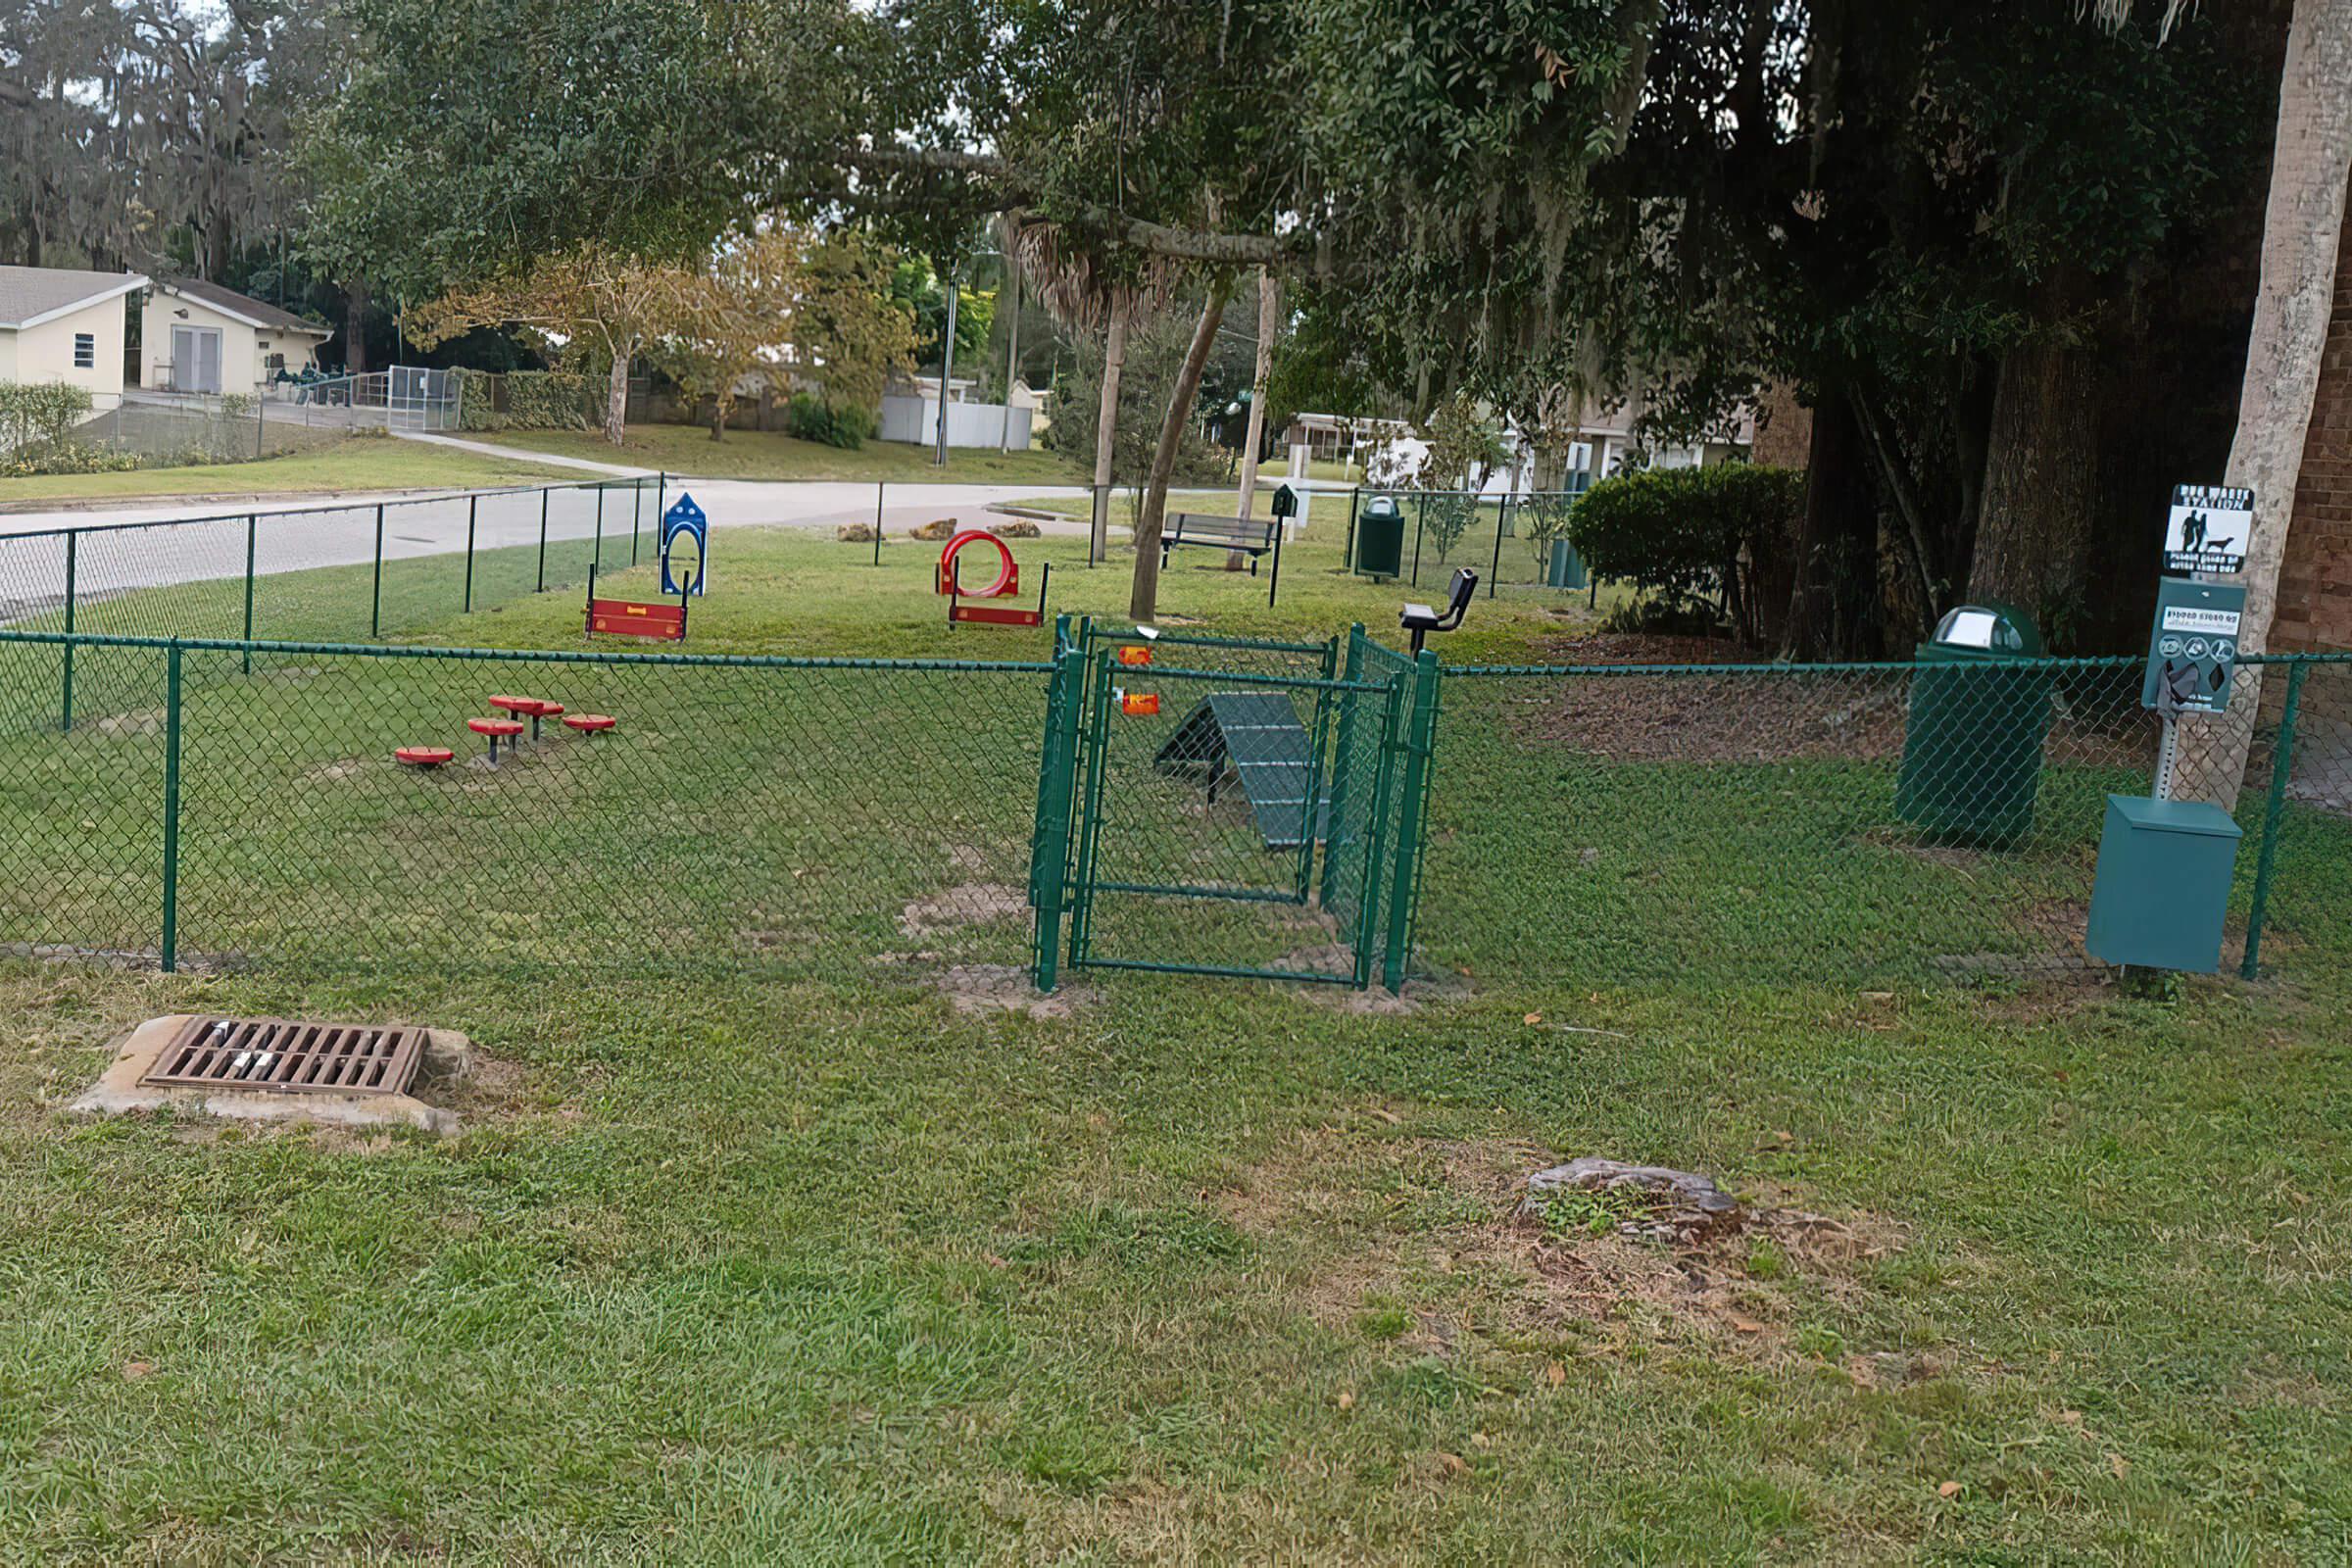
(615, 470)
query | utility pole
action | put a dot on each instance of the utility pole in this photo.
(1012, 345)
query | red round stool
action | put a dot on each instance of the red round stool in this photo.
(495, 728)
(530, 707)
(589, 724)
(422, 756)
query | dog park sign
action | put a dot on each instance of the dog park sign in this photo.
(2208, 531)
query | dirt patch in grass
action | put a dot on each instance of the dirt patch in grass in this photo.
(1434, 1232)
(1717, 718)
(1005, 988)
(1420, 990)
(965, 903)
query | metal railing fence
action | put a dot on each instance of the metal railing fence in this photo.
(237, 803)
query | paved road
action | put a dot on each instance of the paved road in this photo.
(330, 532)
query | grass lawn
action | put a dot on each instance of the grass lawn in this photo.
(359, 463)
(768, 1240)
(771, 455)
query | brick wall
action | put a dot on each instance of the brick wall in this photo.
(2315, 582)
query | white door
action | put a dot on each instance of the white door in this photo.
(195, 358)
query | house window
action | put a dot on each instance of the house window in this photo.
(85, 351)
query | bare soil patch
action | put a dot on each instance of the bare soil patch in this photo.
(965, 903)
(1381, 1216)
(1005, 988)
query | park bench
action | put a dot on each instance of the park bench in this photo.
(1254, 536)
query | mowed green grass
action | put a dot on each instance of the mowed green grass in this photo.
(771, 454)
(757, 1248)
(358, 463)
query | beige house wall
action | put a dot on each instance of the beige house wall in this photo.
(45, 353)
(245, 350)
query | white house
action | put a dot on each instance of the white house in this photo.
(200, 337)
(59, 323)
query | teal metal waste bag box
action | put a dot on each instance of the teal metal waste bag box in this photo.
(2162, 887)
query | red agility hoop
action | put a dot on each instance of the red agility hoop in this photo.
(1008, 572)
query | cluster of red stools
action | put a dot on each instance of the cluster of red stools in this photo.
(508, 729)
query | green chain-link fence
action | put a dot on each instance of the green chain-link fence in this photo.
(218, 802)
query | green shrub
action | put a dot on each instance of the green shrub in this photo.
(1694, 539)
(551, 400)
(35, 415)
(811, 418)
(67, 457)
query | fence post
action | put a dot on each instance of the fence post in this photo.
(64, 712)
(1412, 810)
(471, 501)
(544, 492)
(1058, 787)
(2282, 764)
(252, 527)
(1355, 499)
(1420, 522)
(258, 445)
(1503, 516)
(599, 556)
(879, 486)
(660, 496)
(170, 940)
(636, 517)
(376, 612)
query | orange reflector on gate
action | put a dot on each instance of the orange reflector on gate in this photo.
(1134, 655)
(1138, 703)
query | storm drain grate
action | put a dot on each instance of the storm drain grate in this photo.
(284, 1056)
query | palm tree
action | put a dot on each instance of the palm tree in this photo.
(1074, 289)
(2311, 166)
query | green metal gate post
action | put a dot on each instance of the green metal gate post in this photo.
(252, 527)
(1050, 846)
(471, 503)
(376, 612)
(171, 942)
(544, 493)
(1312, 806)
(64, 713)
(1412, 813)
(2282, 764)
(1368, 929)
(1081, 909)
(1336, 824)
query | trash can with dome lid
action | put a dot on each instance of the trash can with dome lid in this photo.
(1980, 699)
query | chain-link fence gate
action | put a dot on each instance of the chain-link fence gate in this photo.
(1231, 806)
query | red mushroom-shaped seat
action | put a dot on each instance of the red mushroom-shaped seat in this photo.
(590, 723)
(495, 730)
(422, 756)
(530, 707)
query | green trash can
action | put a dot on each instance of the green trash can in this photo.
(1566, 568)
(1379, 538)
(1972, 743)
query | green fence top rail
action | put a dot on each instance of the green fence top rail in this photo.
(1883, 667)
(1194, 639)
(1252, 682)
(526, 656)
(363, 504)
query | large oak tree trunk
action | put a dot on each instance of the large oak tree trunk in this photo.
(1268, 298)
(354, 328)
(1836, 540)
(616, 398)
(2302, 229)
(2040, 483)
(1142, 600)
(1107, 424)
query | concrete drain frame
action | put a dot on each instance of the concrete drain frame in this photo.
(289, 1057)
(280, 1069)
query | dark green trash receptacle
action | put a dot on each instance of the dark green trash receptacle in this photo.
(1379, 538)
(1972, 745)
